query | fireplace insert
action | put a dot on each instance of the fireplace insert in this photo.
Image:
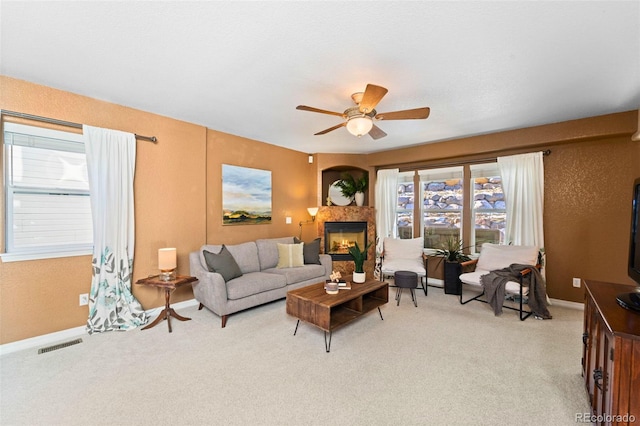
(339, 236)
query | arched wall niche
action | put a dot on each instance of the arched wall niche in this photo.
(333, 174)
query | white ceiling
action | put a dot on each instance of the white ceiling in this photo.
(242, 67)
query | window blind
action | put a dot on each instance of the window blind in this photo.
(48, 204)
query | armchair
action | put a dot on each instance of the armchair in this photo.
(404, 255)
(504, 269)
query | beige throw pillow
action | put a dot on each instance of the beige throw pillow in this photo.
(290, 255)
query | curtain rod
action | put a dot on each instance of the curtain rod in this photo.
(62, 123)
(403, 167)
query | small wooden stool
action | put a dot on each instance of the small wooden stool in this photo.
(406, 279)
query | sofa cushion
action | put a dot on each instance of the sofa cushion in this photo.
(396, 248)
(245, 254)
(296, 275)
(223, 263)
(412, 265)
(310, 251)
(498, 256)
(253, 283)
(290, 255)
(473, 278)
(268, 251)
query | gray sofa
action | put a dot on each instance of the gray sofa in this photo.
(261, 280)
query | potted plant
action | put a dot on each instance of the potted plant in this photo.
(452, 253)
(359, 256)
(352, 187)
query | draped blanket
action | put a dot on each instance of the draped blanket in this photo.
(494, 287)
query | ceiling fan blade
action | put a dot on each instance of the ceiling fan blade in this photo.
(322, 111)
(371, 96)
(331, 129)
(407, 114)
(376, 132)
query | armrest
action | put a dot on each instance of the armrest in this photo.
(327, 262)
(210, 289)
(528, 270)
(468, 263)
(468, 266)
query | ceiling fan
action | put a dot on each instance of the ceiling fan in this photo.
(359, 119)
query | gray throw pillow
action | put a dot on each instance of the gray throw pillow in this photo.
(222, 263)
(310, 251)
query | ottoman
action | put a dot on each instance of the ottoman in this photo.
(406, 279)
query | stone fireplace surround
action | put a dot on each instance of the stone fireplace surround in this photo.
(349, 214)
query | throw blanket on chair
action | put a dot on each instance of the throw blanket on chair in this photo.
(494, 283)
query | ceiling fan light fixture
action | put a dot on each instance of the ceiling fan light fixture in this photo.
(360, 125)
(359, 119)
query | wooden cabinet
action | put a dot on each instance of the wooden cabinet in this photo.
(611, 355)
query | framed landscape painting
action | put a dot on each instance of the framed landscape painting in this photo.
(246, 196)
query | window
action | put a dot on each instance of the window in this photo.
(405, 203)
(442, 205)
(445, 208)
(489, 212)
(48, 211)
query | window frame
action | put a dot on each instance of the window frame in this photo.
(433, 175)
(405, 178)
(484, 170)
(65, 141)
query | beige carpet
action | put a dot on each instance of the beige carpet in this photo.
(438, 364)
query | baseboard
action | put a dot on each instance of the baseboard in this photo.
(435, 282)
(567, 304)
(71, 333)
(44, 340)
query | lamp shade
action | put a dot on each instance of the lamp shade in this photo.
(313, 211)
(167, 259)
(359, 126)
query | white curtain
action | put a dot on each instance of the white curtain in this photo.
(111, 157)
(386, 192)
(523, 186)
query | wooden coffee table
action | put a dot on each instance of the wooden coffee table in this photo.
(328, 312)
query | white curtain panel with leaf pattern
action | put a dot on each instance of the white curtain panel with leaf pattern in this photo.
(111, 158)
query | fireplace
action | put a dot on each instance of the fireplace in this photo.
(339, 236)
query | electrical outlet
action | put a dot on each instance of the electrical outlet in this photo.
(576, 282)
(84, 299)
(287, 220)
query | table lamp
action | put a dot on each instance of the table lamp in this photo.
(167, 263)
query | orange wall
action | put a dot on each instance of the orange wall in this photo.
(41, 296)
(292, 181)
(588, 180)
(179, 199)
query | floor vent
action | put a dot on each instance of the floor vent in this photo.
(59, 346)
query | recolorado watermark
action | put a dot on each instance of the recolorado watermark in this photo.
(604, 418)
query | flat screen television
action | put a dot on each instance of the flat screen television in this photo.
(632, 300)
